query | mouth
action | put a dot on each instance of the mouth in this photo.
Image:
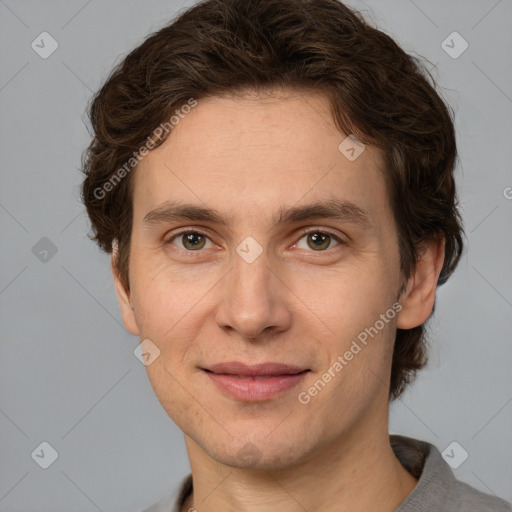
(255, 383)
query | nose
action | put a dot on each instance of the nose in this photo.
(254, 301)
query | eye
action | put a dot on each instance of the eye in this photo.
(318, 240)
(190, 240)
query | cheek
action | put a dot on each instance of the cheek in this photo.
(172, 316)
(162, 295)
(344, 302)
(169, 387)
(347, 317)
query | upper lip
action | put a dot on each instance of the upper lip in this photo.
(236, 368)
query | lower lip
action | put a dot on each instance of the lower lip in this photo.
(251, 389)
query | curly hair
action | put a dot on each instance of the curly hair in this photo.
(376, 91)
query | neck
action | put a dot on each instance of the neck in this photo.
(359, 472)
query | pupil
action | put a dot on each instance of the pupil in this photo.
(193, 239)
(318, 239)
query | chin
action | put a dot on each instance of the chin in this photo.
(259, 452)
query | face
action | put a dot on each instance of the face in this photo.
(264, 280)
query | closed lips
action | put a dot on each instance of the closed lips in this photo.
(259, 377)
(260, 371)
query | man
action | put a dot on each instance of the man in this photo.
(275, 181)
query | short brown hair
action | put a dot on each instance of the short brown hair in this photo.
(377, 92)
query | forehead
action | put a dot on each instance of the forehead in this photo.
(257, 153)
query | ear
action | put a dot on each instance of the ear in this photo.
(418, 298)
(123, 297)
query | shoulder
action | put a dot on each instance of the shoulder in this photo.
(437, 488)
(464, 498)
(173, 501)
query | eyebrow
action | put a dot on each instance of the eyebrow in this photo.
(335, 209)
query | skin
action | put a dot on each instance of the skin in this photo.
(247, 157)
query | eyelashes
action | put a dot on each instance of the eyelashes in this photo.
(198, 240)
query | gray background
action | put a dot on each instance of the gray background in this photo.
(68, 374)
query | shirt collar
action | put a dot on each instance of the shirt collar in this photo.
(423, 460)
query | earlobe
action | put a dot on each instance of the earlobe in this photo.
(419, 295)
(123, 297)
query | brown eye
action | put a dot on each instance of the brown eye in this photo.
(319, 240)
(190, 240)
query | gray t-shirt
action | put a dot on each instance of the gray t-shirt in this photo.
(436, 491)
